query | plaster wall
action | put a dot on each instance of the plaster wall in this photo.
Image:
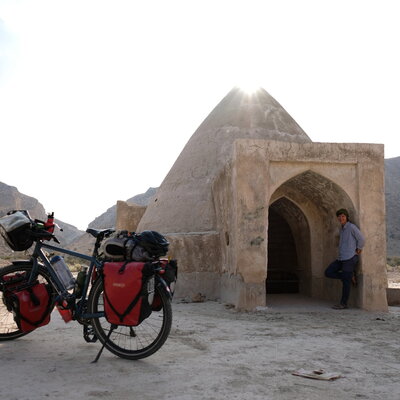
(306, 183)
(128, 216)
(199, 263)
(198, 255)
(319, 178)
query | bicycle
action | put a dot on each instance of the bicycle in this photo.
(86, 305)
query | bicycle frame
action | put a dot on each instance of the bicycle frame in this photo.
(85, 301)
(58, 285)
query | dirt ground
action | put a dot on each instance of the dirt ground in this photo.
(215, 352)
(393, 276)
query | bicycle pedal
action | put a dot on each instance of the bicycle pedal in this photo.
(88, 334)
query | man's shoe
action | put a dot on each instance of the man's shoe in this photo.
(340, 307)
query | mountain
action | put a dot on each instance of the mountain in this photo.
(70, 236)
(392, 195)
(108, 218)
(73, 238)
(84, 243)
(12, 199)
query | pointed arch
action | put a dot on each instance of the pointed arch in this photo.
(321, 191)
(307, 202)
(288, 248)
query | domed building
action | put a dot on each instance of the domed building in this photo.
(249, 208)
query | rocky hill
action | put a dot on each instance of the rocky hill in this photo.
(392, 194)
(73, 238)
(12, 199)
(107, 219)
(84, 243)
(70, 236)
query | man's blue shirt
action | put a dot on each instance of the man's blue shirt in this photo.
(350, 239)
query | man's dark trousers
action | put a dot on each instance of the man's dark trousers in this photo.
(343, 270)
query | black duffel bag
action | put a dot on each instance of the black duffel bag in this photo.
(131, 246)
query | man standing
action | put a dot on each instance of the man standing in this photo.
(350, 246)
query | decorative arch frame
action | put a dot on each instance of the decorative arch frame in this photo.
(317, 179)
(315, 199)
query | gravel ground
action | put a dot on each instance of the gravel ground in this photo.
(215, 352)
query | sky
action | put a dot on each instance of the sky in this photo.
(99, 97)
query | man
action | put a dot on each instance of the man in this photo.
(350, 246)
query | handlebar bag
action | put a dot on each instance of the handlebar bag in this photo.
(16, 230)
(30, 305)
(128, 292)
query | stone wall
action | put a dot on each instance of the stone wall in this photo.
(305, 183)
(199, 261)
(318, 178)
(128, 216)
(198, 255)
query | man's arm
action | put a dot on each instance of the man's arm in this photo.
(358, 236)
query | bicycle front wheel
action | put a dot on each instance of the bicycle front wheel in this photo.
(131, 342)
(8, 328)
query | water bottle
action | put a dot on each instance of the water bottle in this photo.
(49, 224)
(80, 281)
(63, 272)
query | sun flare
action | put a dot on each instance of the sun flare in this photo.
(249, 85)
(249, 88)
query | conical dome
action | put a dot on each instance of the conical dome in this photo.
(184, 200)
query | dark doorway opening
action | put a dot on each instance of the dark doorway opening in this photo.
(282, 256)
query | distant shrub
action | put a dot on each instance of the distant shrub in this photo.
(393, 261)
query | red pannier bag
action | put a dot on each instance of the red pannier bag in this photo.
(128, 290)
(30, 304)
(168, 271)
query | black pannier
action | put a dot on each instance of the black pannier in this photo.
(15, 227)
(130, 246)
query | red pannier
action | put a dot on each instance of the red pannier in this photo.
(128, 291)
(30, 304)
(168, 271)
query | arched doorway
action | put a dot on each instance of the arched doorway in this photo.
(288, 248)
(303, 232)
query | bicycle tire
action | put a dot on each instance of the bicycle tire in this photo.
(135, 342)
(8, 328)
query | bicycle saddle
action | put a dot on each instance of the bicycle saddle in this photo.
(97, 232)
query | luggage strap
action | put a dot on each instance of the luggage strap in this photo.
(132, 303)
(36, 302)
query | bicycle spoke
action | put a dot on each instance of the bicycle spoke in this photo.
(132, 342)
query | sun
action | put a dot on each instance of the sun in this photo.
(249, 88)
(249, 84)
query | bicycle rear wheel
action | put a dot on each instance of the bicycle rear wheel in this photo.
(133, 342)
(8, 328)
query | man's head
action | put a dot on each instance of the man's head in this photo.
(342, 215)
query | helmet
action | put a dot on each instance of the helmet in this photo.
(153, 242)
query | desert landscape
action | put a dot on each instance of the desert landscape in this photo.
(216, 352)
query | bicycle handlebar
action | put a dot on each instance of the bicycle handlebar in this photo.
(44, 235)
